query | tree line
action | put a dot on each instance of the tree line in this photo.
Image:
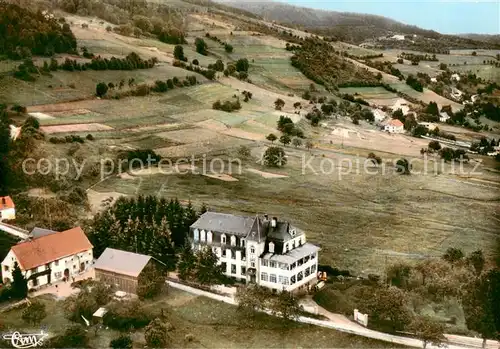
(28, 71)
(147, 225)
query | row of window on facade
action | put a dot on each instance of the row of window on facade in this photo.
(284, 280)
(46, 266)
(285, 266)
(207, 237)
(243, 270)
(228, 253)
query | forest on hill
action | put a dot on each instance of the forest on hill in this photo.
(24, 33)
(354, 28)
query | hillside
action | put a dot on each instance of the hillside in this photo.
(350, 27)
(263, 72)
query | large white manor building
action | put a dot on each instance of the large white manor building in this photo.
(259, 250)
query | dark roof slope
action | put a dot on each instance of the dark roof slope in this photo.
(225, 223)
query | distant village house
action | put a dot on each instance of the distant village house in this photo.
(7, 208)
(394, 126)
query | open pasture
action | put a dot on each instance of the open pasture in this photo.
(487, 72)
(422, 67)
(375, 95)
(358, 137)
(361, 220)
(427, 96)
(354, 50)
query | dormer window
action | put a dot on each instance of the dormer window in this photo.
(233, 240)
(223, 239)
(271, 247)
(292, 232)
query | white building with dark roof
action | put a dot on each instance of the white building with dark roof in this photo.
(259, 250)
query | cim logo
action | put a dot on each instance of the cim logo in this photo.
(23, 341)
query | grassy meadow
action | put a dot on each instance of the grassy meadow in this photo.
(212, 324)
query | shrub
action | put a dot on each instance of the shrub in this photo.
(242, 65)
(434, 145)
(123, 316)
(179, 53)
(101, 89)
(201, 46)
(227, 106)
(122, 342)
(375, 159)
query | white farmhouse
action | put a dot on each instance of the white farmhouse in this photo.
(259, 250)
(443, 117)
(456, 93)
(7, 208)
(49, 257)
(398, 37)
(401, 104)
(429, 125)
(394, 126)
(455, 77)
(379, 115)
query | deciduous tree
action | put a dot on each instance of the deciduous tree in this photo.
(208, 272)
(427, 330)
(151, 281)
(156, 335)
(34, 313)
(279, 104)
(285, 139)
(101, 89)
(274, 157)
(271, 137)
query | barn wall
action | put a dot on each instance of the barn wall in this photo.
(122, 282)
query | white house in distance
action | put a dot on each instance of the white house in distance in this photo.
(7, 208)
(443, 117)
(455, 77)
(430, 126)
(49, 257)
(394, 126)
(379, 115)
(259, 250)
(401, 104)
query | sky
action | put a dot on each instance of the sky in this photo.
(447, 17)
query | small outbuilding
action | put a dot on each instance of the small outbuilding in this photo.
(99, 314)
(122, 269)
